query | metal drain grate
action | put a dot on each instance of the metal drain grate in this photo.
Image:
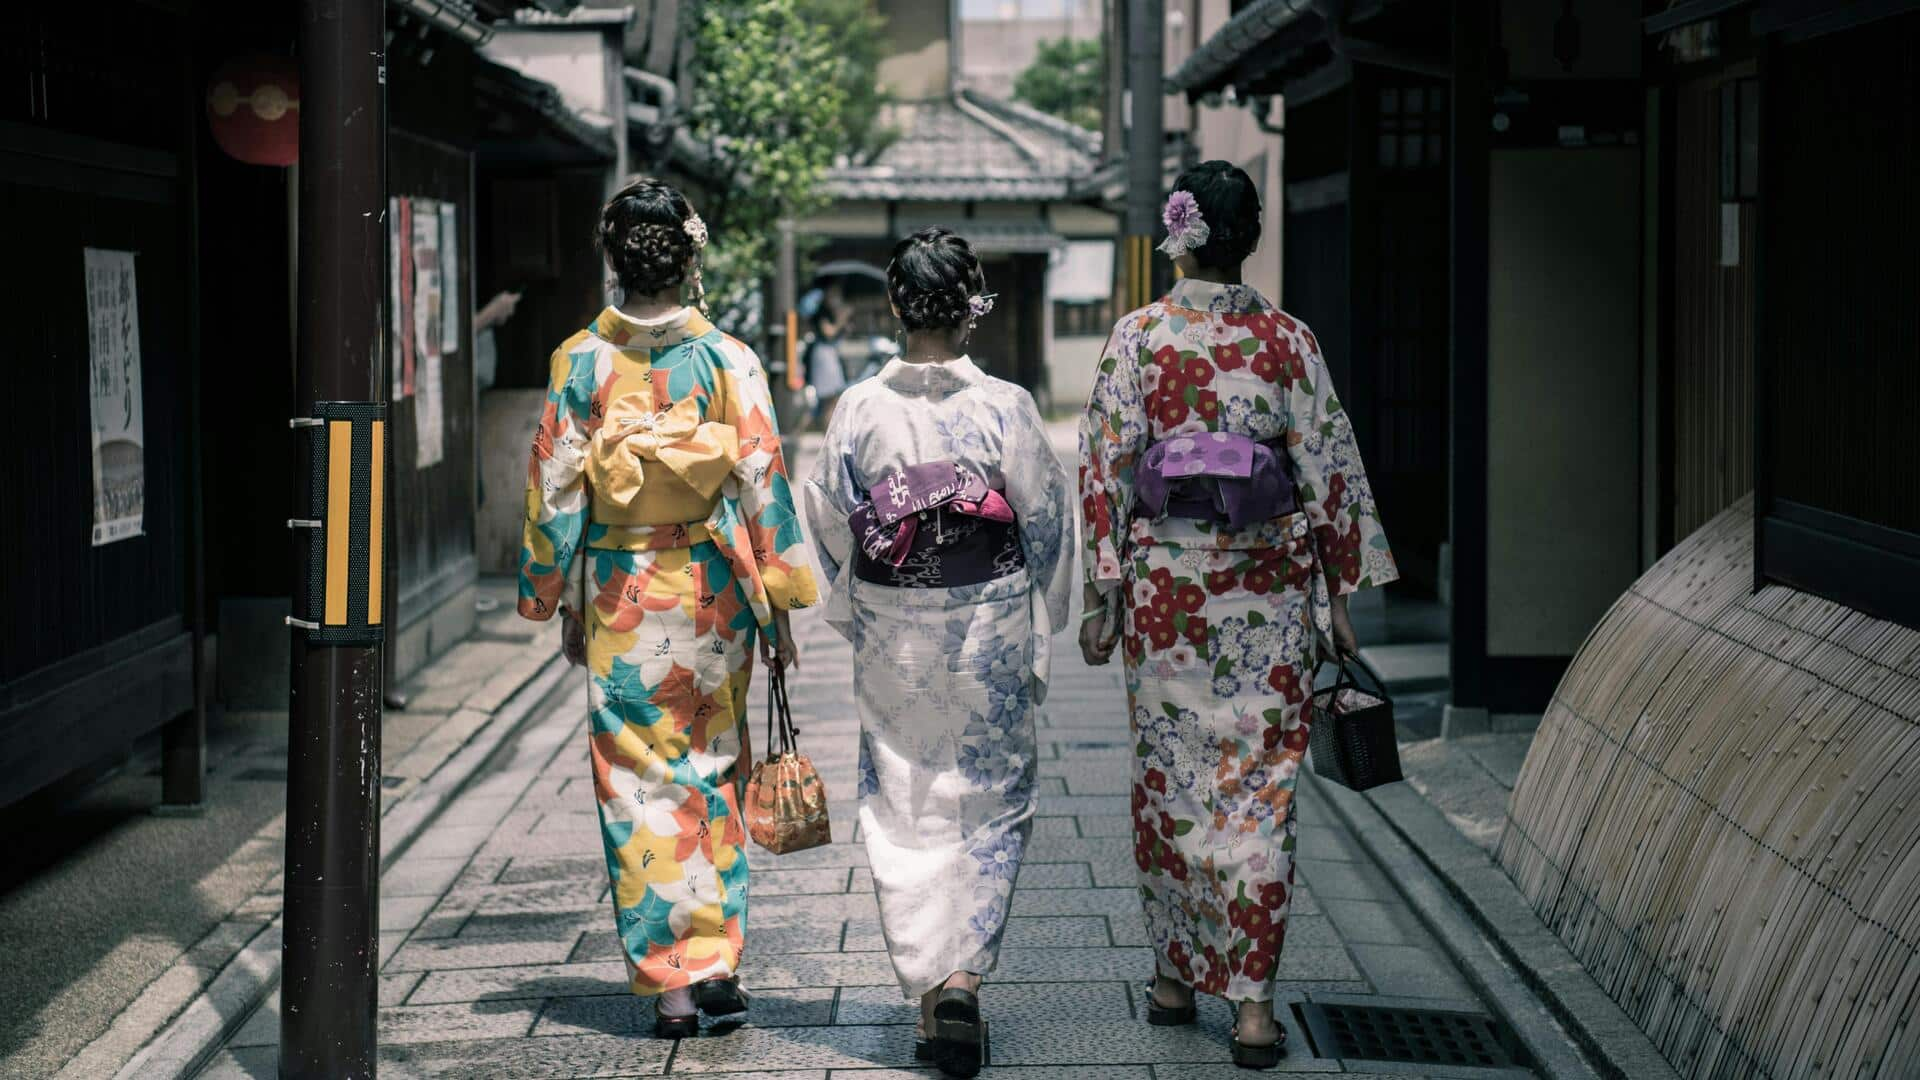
(1422, 1036)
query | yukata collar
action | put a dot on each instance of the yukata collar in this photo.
(621, 330)
(1216, 298)
(925, 379)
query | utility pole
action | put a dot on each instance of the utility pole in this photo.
(330, 950)
(1146, 57)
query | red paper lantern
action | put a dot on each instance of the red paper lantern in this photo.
(253, 107)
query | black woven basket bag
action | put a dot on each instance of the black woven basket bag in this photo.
(1352, 735)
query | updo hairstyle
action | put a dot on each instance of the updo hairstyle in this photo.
(643, 235)
(1230, 205)
(933, 275)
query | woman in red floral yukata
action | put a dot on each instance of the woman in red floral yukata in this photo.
(1227, 518)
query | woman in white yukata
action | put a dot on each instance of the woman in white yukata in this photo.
(942, 519)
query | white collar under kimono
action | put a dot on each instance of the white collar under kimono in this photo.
(1217, 298)
(931, 378)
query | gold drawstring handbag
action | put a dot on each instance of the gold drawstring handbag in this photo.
(786, 801)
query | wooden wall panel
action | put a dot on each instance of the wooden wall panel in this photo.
(1717, 818)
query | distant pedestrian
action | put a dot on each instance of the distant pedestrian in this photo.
(943, 521)
(826, 370)
(658, 448)
(1227, 517)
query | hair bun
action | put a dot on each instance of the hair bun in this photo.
(933, 275)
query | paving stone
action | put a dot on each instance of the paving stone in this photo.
(1055, 875)
(810, 910)
(548, 980)
(860, 881)
(466, 1020)
(530, 925)
(1061, 965)
(528, 870)
(244, 1063)
(446, 955)
(1016, 1002)
(1312, 932)
(863, 935)
(1074, 901)
(1054, 826)
(1106, 825)
(545, 844)
(1111, 776)
(1050, 785)
(835, 1047)
(1408, 971)
(1371, 922)
(1058, 932)
(1347, 881)
(1316, 964)
(1329, 843)
(393, 988)
(1104, 1042)
(825, 855)
(1113, 806)
(825, 879)
(776, 971)
(403, 912)
(1075, 848)
(415, 876)
(527, 1059)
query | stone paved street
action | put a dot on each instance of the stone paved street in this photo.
(500, 959)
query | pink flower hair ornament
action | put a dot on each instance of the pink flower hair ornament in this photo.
(1186, 229)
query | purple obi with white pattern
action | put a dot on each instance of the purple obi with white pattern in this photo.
(934, 526)
(1213, 476)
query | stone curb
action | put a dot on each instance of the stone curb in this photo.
(1502, 947)
(178, 1050)
(1486, 969)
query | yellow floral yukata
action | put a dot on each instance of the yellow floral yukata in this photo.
(658, 449)
(1218, 630)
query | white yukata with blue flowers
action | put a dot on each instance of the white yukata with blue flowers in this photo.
(946, 680)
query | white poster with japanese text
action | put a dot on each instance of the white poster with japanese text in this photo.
(428, 415)
(452, 297)
(119, 429)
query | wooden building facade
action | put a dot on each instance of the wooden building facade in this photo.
(145, 558)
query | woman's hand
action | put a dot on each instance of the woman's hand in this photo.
(1099, 633)
(573, 638)
(779, 650)
(1345, 642)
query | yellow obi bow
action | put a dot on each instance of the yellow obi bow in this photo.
(701, 454)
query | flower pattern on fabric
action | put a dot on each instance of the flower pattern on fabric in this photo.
(676, 581)
(946, 679)
(1218, 626)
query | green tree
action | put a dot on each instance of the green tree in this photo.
(783, 88)
(1067, 78)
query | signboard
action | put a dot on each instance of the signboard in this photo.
(119, 428)
(428, 416)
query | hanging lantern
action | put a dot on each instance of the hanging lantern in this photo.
(253, 107)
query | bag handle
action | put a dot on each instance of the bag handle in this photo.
(782, 736)
(1345, 680)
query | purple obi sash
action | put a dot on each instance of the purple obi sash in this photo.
(1213, 476)
(934, 526)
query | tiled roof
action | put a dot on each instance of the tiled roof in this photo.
(969, 148)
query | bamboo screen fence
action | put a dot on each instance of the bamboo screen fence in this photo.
(1720, 816)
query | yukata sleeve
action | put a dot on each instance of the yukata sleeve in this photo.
(831, 493)
(556, 487)
(1113, 435)
(1330, 479)
(1042, 499)
(766, 495)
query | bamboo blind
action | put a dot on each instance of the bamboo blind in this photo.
(1720, 816)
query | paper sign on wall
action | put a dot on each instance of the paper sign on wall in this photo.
(396, 335)
(452, 296)
(430, 440)
(119, 425)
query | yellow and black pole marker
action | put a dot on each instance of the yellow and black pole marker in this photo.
(345, 593)
(329, 983)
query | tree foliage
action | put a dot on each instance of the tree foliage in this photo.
(782, 89)
(1067, 78)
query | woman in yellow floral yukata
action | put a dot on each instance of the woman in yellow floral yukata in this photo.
(657, 449)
